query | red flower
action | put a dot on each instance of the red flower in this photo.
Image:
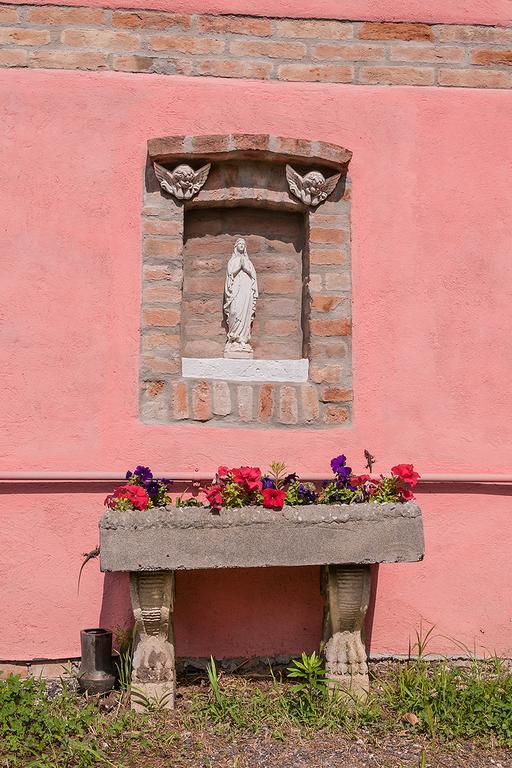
(406, 474)
(222, 473)
(359, 480)
(248, 477)
(214, 496)
(406, 494)
(135, 494)
(273, 499)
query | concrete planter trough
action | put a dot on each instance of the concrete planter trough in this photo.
(344, 539)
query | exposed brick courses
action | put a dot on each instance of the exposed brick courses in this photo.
(364, 53)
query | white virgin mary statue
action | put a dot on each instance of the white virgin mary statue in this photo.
(240, 294)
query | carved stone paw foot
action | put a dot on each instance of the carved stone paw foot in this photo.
(347, 670)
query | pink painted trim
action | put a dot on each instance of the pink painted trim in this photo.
(492, 12)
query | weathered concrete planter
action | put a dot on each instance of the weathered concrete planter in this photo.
(344, 539)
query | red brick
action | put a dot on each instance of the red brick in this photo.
(163, 248)
(207, 266)
(221, 398)
(276, 326)
(232, 68)
(426, 53)
(278, 284)
(193, 45)
(328, 348)
(325, 235)
(245, 402)
(278, 307)
(474, 34)
(209, 286)
(101, 39)
(325, 374)
(268, 48)
(162, 318)
(162, 227)
(322, 303)
(202, 306)
(179, 400)
(336, 395)
(154, 388)
(163, 272)
(150, 20)
(327, 256)
(8, 15)
(315, 282)
(154, 364)
(310, 406)
(395, 31)
(201, 401)
(397, 75)
(494, 57)
(475, 78)
(349, 52)
(134, 63)
(66, 16)
(12, 57)
(266, 403)
(235, 25)
(310, 28)
(322, 73)
(7, 669)
(167, 293)
(24, 36)
(288, 408)
(204, 348)
(337, 281)
(330, 327)
(336, 415)
(69, 60)
(152, 341)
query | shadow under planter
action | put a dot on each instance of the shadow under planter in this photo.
(344, 539)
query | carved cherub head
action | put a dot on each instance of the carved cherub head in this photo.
(313, 188)
(183, 182)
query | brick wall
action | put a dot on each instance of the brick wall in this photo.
(275, 242)
(302, 257)
(366, 53)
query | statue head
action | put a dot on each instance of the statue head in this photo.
(240, 246)
(313, 183)
(185, 176)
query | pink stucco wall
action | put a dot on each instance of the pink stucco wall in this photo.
(432, 277)
(436, 11)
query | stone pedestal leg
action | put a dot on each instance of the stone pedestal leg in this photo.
(153, 673)
(346, 591)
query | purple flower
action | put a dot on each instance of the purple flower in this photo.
(338, 463)
(267, 482)
(306, 493)
(143, 473)
(290, 478)
(343, 476)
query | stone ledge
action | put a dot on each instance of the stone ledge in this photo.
(253, 537)
(244, 370)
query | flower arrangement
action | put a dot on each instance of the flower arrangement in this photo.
(141, 491)
(247, 486)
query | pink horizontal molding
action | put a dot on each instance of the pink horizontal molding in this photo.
(490, 12)
(246, 146)
(197, 476)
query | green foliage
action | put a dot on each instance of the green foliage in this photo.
(277, 472)
(192, 502)
(468, 701)
(233, 495)
(334, 494)
(293, 497)
(387, 490)
(310, 672)
(124, 640)
(38, 733)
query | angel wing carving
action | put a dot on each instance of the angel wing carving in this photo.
(313, 188)
(183, 182)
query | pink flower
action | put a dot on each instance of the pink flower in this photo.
(135, 494)
(359, 480)
(406, 474)
(273, 499)
(214, 496)
(248, 477)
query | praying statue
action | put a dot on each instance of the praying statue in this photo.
(240, 294)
